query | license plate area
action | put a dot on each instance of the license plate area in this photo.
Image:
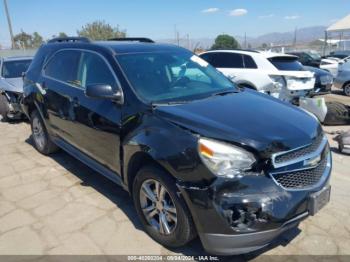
(318, 200)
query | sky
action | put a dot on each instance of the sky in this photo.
(157, 18)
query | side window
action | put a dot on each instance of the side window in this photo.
(227, 60)
(93, 69)
(63, 66)
(249, 62)
(207, 57)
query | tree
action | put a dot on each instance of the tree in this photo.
(264, 46)
(225, 42)
(100, 30)
(62, 35)
(23, 40)
(37, 40)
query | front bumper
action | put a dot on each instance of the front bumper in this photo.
(236, 216)
(221, 244)
(321, 89)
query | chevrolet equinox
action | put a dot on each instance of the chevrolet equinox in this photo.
(198, 155)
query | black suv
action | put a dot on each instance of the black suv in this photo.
(198, 155)
(308, 58)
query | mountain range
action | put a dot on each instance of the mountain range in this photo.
(303, 35)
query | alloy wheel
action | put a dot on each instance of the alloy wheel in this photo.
(347, 90)
(158, 207)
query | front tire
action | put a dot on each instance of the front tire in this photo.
(4, 108)
(41, 138)
(163, 214)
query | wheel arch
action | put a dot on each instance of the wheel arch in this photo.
(346, 83)
(135, 163)
(246, 83)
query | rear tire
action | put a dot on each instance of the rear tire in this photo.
(4, 108)
(337, 114)
(180, 232)
(41, 138)
(247, 86)
(347, 89)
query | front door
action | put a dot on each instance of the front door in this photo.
(97, 121)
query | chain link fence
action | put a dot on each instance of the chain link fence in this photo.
(17, 52)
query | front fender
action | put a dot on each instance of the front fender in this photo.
(170, 146)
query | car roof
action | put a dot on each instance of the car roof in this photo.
(117, 46)
(236, 51)
(136, 47)
(17, 58)
(266, 54)
(273, 54)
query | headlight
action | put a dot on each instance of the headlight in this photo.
(278, 81)
(224, 159)
(326, 80)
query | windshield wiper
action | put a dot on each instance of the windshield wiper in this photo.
(223, 93)
(171, 103)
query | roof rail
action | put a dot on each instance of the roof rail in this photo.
(131, 39)
(69, 39)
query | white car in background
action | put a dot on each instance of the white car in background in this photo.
(278, 75)
(331, 65)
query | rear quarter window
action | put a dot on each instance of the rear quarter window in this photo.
(249, 62)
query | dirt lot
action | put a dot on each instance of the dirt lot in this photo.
(56, 205)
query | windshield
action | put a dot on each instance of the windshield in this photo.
(14, 69)
(172, 76)
(286, 63)
(314, 56)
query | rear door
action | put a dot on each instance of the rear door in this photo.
(97, 122)
(230, 64)
(59, 84)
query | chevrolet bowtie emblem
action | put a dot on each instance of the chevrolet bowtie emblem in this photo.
(312, 161)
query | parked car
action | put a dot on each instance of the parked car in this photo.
(307, 58)
(279, 75)
(197, 154)
(331, 65)
(342, 81)
(340, 54)
(324, 80)
(11, 85)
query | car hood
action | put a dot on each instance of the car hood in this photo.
(250, 119)
(317, 71)
(12, 84)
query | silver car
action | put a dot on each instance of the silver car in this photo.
(11, 85)
(342, 81)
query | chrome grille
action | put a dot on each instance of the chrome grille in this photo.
(298, 153)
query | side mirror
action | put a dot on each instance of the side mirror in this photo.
(104, 92)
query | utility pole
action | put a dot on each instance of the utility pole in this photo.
(295, 37)
(245, 40)
(188, 42)
(9, 24)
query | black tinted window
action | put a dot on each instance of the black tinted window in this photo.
(64, 66)
(286, 63)
(14, 69)
(224, 60)
(249, 62)
(93, 69)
